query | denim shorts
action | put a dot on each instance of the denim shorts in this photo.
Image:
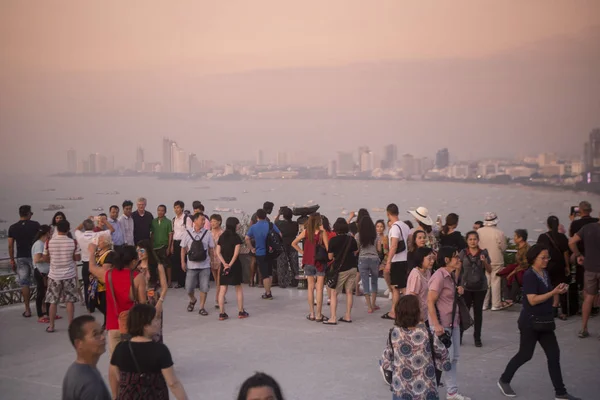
(197, 277)
(311, 270)
(25, 271)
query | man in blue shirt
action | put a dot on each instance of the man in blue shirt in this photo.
(259, 232)
(117, 234)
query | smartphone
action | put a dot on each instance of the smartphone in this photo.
(96, 219)
(575, 211)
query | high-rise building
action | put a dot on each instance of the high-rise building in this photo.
(427, 164)
(390, 155)
(282, 159)
(94, 163)
(408, 165)
(71, 161)
(180, 162)
(167, 163)
(345, 163)
(102, 163)
(139, 159)
(442, 159)
(594, 150)
(332, 169)
(546, 159)
(367, 161)
(260, 157)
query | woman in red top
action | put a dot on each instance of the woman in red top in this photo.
(314, 236)
(118, 281)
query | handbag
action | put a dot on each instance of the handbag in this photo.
(464, 315)
(542, 323)
(145, 382)
(334, 269)
(321, 252)
(123, 315)
(401, 246)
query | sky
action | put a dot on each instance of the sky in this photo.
(224, 79)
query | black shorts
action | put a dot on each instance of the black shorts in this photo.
(399, 274)
(265, 266)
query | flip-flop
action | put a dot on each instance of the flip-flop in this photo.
(25, 314)
(191, 306)
(48, 330)
(345, 320)
(329, 323)
(58, 317)
(320, 319)
(308, 317)
(44, 320)
(203, 312)
(387, 316)
(376, 308)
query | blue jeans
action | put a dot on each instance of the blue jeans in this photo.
(369, 266)
(197, 277)
(454, 350)
(25, 271)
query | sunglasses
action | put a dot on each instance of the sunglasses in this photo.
(143, 251)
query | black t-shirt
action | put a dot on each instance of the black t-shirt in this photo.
(576, 227)
(338, 244)
(141, 225)
(533, 284)
(289, 231)
(150, 356)
(228, 241)
(557, 246)
(23, 232)
(454, 239)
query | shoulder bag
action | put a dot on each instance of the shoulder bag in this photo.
(144, 381)
(334, 269)
(320, 251)
(543, 323)
(123, 315)
(401, 243)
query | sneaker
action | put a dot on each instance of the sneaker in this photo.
(457, 396)
(583, 334)
(485, 308)
(478, 343)
(243, 314)
(267, 296)
(566, 396)
(506, 389)
(223, 317)
(387, 376)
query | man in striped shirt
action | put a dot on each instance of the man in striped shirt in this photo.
(62, 252)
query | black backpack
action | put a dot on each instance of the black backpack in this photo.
(473, 273)
(274, 244)
(197, 252)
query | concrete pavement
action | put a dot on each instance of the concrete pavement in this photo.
(310, 361)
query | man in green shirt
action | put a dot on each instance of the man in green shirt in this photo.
(161, 234)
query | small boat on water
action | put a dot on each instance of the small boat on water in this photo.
(225, 198)
(48, 190)
(110, 193)
(98, 209)
(3, 234)
(54, 207)
(69, 198)
(222, 209)
(378, 209)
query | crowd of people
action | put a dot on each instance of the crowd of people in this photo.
(434, 276)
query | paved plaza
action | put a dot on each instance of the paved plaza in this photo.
(310, 361)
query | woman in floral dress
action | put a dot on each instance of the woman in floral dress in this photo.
(156, 281)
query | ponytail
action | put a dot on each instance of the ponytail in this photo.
(451, 220)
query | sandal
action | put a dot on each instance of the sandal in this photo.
(583, 334)
(348, 321)
(320, 319)
(49, 330)
(203, 312)
(329, 323)
(375, 308)
(562, 317)
(25, 314)
(44, 320)
(308, 317)
(387, 316)
(58, 317)
(191, 306)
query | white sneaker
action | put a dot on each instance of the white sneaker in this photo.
(457, 396)
(485, 308)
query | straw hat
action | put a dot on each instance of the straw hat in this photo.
(422, 214)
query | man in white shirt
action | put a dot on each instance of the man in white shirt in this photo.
(62, 252)
(181, 223)
(126, 223)
(397, 264)
(84, 234)
(197, 270)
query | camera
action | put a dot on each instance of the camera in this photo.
(446, 339)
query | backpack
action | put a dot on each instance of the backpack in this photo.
(274, 245)
(197, 252)
(473, 275)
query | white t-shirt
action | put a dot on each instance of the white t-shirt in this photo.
(399, 231)
(84, 239)
(61, 250)
(178, 227)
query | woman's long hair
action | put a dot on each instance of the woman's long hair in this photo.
(124, 256)
(553, 224)
(58, 213)
(312, 225)
(367, 232)
(257, 380)
(44, 230)
(362, 213)
(326, 223)
(451, 220)
(152, 259)
(230, 227)
(412, 246)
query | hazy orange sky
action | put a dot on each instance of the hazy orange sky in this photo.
(42, 42)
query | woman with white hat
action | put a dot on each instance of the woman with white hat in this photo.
(425, 224)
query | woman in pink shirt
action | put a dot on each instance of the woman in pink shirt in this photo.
(418, 279)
